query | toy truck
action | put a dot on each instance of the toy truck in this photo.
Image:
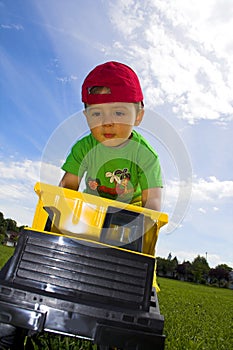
(86, 268)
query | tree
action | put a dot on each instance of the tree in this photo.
(1, 218)
(3, 224)
(173, 266)
(200, 269)
(184, 271)
(224, 267)
(2, 238)
(220, 274)
(161, 266)
(11, 225)
(167, 267)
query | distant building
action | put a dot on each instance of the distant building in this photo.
(11, 238)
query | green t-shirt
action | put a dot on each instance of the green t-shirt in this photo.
(119, 173)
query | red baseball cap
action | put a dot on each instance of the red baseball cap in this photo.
(121, 80)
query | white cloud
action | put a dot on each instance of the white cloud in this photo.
(67, 79)
(17, 197)
(215, 260)
(12, 26)
(212, 190)
(203, 197)
(17, 179)
(216, 14)
(24, 171)
(203, 190)
(182, 53)
(186, 53)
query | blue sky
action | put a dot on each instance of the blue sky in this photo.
(184, 58)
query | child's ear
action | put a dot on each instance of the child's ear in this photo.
(85, 113)
(139, 117)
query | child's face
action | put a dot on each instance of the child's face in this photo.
(112, 123)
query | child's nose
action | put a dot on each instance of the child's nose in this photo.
(108, 119)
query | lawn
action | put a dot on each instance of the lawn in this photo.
(197, 317)
(5, 254)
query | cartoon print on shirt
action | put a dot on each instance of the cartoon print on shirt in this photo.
(93, 183)
(121, 179)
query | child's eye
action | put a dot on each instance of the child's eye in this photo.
(96, 114)
(119, 113)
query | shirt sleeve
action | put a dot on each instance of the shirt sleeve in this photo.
(75, 162)
(150, 174)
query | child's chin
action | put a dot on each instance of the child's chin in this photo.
(113, 142)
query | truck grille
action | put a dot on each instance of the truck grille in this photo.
(83, 271)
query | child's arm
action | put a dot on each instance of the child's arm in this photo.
(70, 181)
(151, 198)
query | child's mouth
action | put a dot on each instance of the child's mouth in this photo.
(108, 136)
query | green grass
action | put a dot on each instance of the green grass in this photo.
(196, 316)
(57, 342)
(5, 254)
